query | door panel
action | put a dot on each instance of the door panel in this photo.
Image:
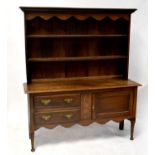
(115, 103)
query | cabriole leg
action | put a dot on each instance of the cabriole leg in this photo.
(32, 142)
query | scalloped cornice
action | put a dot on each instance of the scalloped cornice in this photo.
(99, 17)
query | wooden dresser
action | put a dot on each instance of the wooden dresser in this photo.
(77, 67)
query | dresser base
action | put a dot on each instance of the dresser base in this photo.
(113, 101)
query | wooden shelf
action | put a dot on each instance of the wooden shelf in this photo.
(77, 36)
(88, 58)
(120, 76)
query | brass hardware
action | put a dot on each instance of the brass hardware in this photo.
(46, 117)
(69, 116)
(93, 107)
(45, 101)
(68, 100)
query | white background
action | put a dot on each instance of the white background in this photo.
(94, 139)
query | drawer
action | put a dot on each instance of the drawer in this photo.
(65, 100)
(57, 117)
(114, 103)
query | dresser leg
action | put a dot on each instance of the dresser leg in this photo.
(32, 142)
(132, 129)
(121, 125)
(29, 135)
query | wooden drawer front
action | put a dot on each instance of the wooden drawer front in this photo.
(57, 117)
(112, 103)
(67, 100)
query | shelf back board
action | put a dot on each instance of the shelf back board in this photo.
(76, 42)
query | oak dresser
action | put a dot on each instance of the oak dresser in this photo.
(77, 63)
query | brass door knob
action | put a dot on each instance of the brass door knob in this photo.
(93, 107)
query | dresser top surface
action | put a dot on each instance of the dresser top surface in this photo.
(86, 84)
(107, 10)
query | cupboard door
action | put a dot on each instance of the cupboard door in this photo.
(113, 103)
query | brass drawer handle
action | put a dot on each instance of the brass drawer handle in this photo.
(46, 117)
(45, 101)
(69, 116)
(68, 100)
